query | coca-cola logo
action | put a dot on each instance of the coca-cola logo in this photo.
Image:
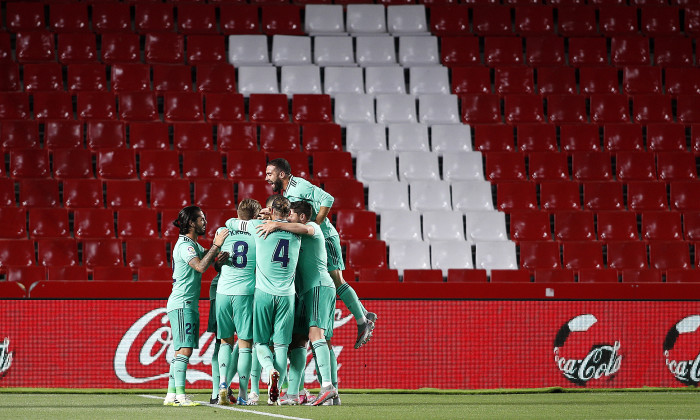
(146, 349)
(584, 360)
(5, 357)
(681, 350)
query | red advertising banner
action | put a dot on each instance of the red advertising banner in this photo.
(446, 344)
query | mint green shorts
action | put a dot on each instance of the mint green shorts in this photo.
(316, 308)
(234, 315)
(184, 324)
(273, 318)
(334, 253)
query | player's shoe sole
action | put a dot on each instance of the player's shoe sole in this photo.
(325, 394)
(273, 390)
(364, 333)
(223, 397)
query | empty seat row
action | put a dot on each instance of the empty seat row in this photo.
(464, 196)
(442, 225)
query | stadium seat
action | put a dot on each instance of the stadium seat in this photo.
(673, 51)
(680, 275)
(442, 225)
(471, 195)
(25, 276)
(609, 108)
(182, 106)
(411, 255)
(76, 48)
(576, 20)
(496, 256)
(375, 51)
(494, 138)
(591, 166)
(512, 275)
(673, 166)
(96, 106)
(192, 136)
(245, 164)
(514, 80)
(171, 78)
(565, 109)
(159, 164)
(450, 256)
(545, 51)
(494, 20)
(666, 137)
(102, 252)
(438, 109)
(93, 223)
(618, 20)
(224, 107)
(500, 51)
(588, 51)
(82, 193)
(601, 196)
(348, 193)
(202, 164)
(239, 18)
(406, 19)
(291, 50)
(623, 137)
(112, 273)
(446, 138)
(556, 80)
(574, 226)
(38, 193)
(154, 17)
(486, 226)
(560, 196)
(691, 228)
(603, 80)
(460, 51)
(530, 226)
(86, 77)
(595, 275)
(400, 225)
(641, 276)
(505, 166)
(42, 77)
(17, 220)
(646, 196)
(617, 226)
(311, 108)
(167, 229)
(57, 135)
(125, 194)
(155, 273)
(523, 109)
(232, 136)
(430, 195)
(418, 51)
(555, 275)
(657, 20)
(684, 195)
(539, 255)
(48, 223)
(396, 108)
(548, 166)
(320, 137)
(52, 106)
(170, 194)
(300, 79)
(25, 16)
(687, 109)
(7, 192)
(692, 20)
(120, 48)
(380, 80)
(516, 196)
(661, 226)
(324, 19)
(70, 17)
(387, 195)
(215, 78)
(354, 108)
(145, 253)
(466, 275)
(534, 20)
(29, 163)
(281, 20)
(342, 80)
(257, 189)
(57, 252)
(635, 166)
(418, 166)
(268, 108)
(449, 20)
(480, 108)
(329, 165)
(651, 109)
(196, 18)
(32, 46)
(248, 50)
(472, 80)
(641, 79)
(164, 48)
(366, 254)
(356, 224)
(130, 77)
(279, 137)
(462, 166)
(116, 164)
(365, 19)
(629, 50)
(365, 137)
(299, 162)
(111, 17)
(63, 273)
(137, 223)
(664, 255)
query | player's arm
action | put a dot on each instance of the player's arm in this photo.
(222, 258)
(318, 195)
(298, 228)
(201, 265)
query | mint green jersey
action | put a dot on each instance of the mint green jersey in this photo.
(312, 269)
(300, 189)
(238, 274)
(276, 257)
(187, 282)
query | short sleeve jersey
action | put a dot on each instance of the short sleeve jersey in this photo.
(187, 282)
(300, 189)
(312, 269)
(238, 274)
(276, 258)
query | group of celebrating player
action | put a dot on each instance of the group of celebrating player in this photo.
(280, 268)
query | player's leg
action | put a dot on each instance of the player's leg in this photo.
(255, 368)
(321, 317)
(212, 328)
(334, 373)
(263, 318)
(282, 335)
(225, 332)
(243, 319)
(185, 326)
(365, 320)
(297, 353)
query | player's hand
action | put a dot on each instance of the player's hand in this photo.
(265, 213)
(220, 236)
(266, 229)
(222, 257)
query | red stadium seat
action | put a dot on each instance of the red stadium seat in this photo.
(197, 18)
(202, 164)
(530, 226)
(665, 137)
(691, 228)
(125, 194)
(167, 229)
(658, 20)
(579, 138)
(471, 80)
(591, 166)
(58, 252)
(510, 80)
(375, 275)
(246, 164)
(534, 255)
(69, 17)
(120, 48)
(671, 254)
(7, 192)
(87, 77)
(216, 78)
(29, 163)
(281, 20)
(692, 20)
(19, 135)
(77, 48)
(93, 223)
(172, 78)
(366, 254)
(43, 77)
(556, 275)
(348, 193)
(137, 223)
(672, 166)
(38, 193)
(523, 109)
(224, 107)
(499, 51)
(617, 226)
(582, 255)
(534, 20)
(449, 19)
(116, 164)
(96, 106)
(311, 108)
(627, 255)
(505, 166)
(145, 253)
(53, 106)
(268, 108)
(332, 165)
(102, 252)
(642, 196)
(138, 106)
(9, 77)
(566, 109)
(48, 223)
(170, 194)
(458, 275)
(164, 48)
(26, 276)
(574, 226)
(618, 20)
(673, 51)
(623, 137)
(214, 194)
(82, 193)
(510, 276)
(638, 166)
(130, 77)
(545, 51)
(481, 108)
(603, 196)
(192, 136)
(112, 273)
(63, 273)
(321, 137)
(575, 20)
(494, 138)
(680, 275)
(598, 80)
(595, 275)
(516, 196)
(688, 109)
(609, 108)
(298, 161)
(237, 136)
(111, 17)
(257, 189)
(625, 50)
(356, 224)
(155, 273)
(641, 79)
(653, 108)
(23, 16)
(34, 46)
(588, 52)
(661, 226)
(492, 20)
(159, 164)
(560, 196)
(279, 137)
(685, 195)
(14, 106)
(556, 80)
(641, 276)
(460, 51)
(239, 19)
(154, 17)
(16, 219)
(422, 276)
(537, 138)
(183, 106)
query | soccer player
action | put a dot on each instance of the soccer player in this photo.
(190, 260)
(234, 297)
(315, 309)
(273, 304)
(211, 327)
(278, 174)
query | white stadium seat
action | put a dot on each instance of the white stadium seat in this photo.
(365, 137)
(472, 196)
(430, 195)
(407, 19)
(450, 138)
(408, 137)
(387, 195)
(418, 166)
(333, 51)
(396, 108)
(409, 255)
(301, 79)
(324, 19)
(353, 108)
(438, 109)
(486, 226)
(257, 80)
(248, 50)
(342, 80)
(399, 225)
(375, 51)
(418, 51)
(443, 225)
(430, 79)
(463, 166)
(363, 19)
(384, 80)
(496, 255)
(450, 254)
(376, 166)
(291, 50)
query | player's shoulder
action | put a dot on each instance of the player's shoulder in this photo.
(298, 182)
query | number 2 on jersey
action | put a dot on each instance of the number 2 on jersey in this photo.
(281, 254)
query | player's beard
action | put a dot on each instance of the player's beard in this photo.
(277, 186)
(201, 231)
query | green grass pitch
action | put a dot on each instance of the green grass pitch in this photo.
(404, 405)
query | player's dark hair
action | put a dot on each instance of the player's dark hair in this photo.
(186, 216)
(248, 209)
(281, 164)
(270, 199)
(301, 207)
(280, 206)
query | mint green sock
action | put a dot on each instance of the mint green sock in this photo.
(231, 372)
(215, 378)
(281, 360)
(255, 372)
(180, 368)
(323, 359)
(244, 362)
(224, 360)
(334, 368)
(171, 378)
(349, 297)
(265, 357)
(297, 363)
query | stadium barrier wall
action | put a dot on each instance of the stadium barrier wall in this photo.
(419, 342)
